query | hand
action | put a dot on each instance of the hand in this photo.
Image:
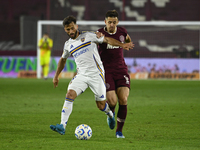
(55, 82)
(99, 34)
(128, 46)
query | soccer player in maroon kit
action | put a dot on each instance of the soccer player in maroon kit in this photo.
(116, 71)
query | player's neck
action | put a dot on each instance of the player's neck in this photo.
(110, 32)
(78, 33)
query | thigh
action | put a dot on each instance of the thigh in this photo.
(42, 57)
(98, 87)
(78, 84)
(42, 61)
(47, 58)
(111, 98)
(122, 94)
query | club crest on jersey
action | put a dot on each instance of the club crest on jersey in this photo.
(107, 85)
(121, 38)
(82, 39)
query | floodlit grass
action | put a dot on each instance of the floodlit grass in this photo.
(162, 115)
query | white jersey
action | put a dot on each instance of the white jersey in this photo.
(85, 52)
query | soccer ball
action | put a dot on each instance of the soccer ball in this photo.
(83, 132)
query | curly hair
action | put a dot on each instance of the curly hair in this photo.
(68, 20)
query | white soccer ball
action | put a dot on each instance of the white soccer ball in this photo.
(83, 132)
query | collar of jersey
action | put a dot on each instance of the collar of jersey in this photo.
(109, 32)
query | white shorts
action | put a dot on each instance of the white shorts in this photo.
(96, 83)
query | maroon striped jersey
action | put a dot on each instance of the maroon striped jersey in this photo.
(112, 56)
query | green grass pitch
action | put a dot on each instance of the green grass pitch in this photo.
(162, 115)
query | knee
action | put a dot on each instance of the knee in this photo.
(112, 101)
(71, 94)
(123, 101)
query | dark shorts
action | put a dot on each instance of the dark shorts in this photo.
(115, 80)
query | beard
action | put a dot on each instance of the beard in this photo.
(73, 36)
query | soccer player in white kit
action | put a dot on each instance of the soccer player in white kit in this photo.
(90, 71)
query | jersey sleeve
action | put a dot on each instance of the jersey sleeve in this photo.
(125, 31)
(66, 53)
(93, 38)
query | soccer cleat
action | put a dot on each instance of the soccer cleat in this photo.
(119, 134)
(58, 128)
(111, 121)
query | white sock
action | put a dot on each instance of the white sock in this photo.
(108, 111)
(66, 111)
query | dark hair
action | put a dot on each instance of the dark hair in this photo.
(45, 33)
(69, 20)
(112, 13)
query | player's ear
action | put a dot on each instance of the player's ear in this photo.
(117, 21)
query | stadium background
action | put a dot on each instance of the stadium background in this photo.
(18, 30)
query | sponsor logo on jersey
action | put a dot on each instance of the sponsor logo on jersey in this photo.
(111, 46)
(81, 52)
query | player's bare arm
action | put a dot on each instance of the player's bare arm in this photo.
(128, 40)
(111, 41)
(61, 65)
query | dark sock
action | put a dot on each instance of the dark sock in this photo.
(121, 117)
